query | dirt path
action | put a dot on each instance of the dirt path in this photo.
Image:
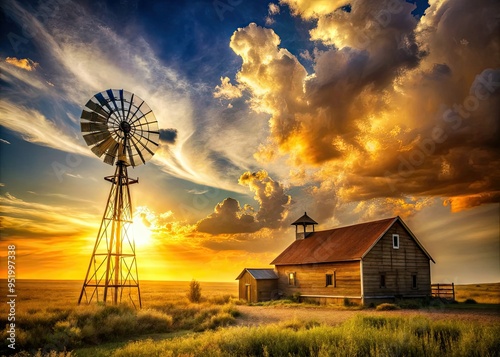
(258, 315)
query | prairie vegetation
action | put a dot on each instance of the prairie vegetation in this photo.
(359, 336)
(50, 323)
(50, 320)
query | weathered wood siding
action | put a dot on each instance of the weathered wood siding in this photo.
(267, 289)
(310, 279)
(260, 290)
(248, 280)
(398, 265)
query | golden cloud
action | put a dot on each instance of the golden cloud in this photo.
(23, 63)
(400, 114)
(230, 217)
(313, 9)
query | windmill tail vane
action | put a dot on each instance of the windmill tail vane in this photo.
(121, 128)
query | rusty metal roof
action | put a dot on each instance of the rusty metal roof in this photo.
(339, 244)
(259, 274)
(304, 220)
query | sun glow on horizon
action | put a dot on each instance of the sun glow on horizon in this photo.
(142, 232)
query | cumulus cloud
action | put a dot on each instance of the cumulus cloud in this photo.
(395, 108)
(270, 195)
(230, 217)
(23, 63)
(312, 9)
(273, 9)
(226, 90)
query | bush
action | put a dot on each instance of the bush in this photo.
(347, 302)
(387, 307)
(194, 294)
(410, 304)
(153, 321)
(470, 301)
(295, 297)
(220, 299)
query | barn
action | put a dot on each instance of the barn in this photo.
(368, 262)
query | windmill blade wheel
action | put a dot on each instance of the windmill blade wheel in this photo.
(119, 126)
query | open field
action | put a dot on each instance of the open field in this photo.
(47, 317)
(482, 293)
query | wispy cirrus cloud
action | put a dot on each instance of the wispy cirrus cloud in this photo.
(84, 62)
(34, 127)
(32, 220)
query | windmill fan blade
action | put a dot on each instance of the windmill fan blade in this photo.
(109, 157)
(93, 116)
(138, 151)
(101, 148)
(112, 97)
(94, 138)
(103, 101)
(130, 155)
(86, 127)
(96, 108)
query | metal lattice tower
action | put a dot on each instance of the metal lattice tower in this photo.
(123, 128)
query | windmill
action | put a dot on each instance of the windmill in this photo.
(121, 128)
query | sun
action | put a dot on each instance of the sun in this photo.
(142, 231)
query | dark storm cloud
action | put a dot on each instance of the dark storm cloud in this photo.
(168, 136)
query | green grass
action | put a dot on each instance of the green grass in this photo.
(107, 349)
(360, 336)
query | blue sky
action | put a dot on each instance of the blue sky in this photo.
(353, 113)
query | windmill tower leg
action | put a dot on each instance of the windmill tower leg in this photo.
(113, 264)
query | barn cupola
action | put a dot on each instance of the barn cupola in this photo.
(303, 221)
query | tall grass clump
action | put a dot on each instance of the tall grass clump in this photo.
(60, 330)
(360, 336)
(194, 293)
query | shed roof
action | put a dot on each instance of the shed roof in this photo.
(259, 274)
(339, 244)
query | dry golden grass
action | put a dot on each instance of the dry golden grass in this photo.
(481, 293)
(48, 316)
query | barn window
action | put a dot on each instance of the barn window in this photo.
(291, 279)
(395, 241)
(382, 280)
(414, 281)
(329, 279)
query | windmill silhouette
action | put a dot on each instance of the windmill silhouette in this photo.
(121, 128)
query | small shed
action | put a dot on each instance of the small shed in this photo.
(258, 284)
